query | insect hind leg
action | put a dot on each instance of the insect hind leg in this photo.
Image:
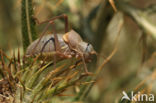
(64, 16)
(85, 66)
(51, 22)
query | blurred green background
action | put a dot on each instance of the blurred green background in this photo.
(97, 23)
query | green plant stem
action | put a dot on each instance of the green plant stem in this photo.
(28, 23)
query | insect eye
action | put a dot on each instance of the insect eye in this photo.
(87, 48)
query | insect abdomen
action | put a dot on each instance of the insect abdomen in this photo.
(42, 48)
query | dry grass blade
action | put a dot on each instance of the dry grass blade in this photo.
(71, 76)
(113, 5)
(47, 78)
(1, 51)
(6, 70)
(67, 70)
(59, 89)
(33, 78)
(34, 61)
(14, 61)
(86, 83)
(114, 50)
(18, 57)
(149, 78)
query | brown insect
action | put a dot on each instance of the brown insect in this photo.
(62, 46)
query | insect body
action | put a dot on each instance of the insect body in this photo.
(46, 45)
(71, 45)
(62, 46)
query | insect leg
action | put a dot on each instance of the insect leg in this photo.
(57, 45)
(85, 66)
(56, 41)
(50, 21)
(43, 33)
(64, 16)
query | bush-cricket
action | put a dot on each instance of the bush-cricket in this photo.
(63, 46)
